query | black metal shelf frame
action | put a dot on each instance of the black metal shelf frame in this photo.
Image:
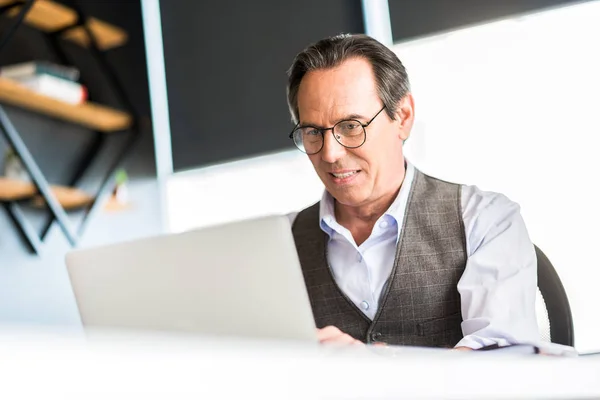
(57, 212)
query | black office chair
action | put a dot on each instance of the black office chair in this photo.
(555, 321)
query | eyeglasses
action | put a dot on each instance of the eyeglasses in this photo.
(350, 133)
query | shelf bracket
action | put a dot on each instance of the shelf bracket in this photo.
(27, 232)
(15, 141)
(57, 212)
(117, 86)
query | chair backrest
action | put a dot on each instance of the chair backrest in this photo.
(555, 321)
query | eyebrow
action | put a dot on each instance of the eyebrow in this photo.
(345, 118)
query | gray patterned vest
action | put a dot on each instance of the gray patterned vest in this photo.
(420, 303)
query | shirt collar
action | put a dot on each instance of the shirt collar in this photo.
(329, 224)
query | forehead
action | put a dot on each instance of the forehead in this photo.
(329, 94)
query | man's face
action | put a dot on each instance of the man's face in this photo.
(361, 176)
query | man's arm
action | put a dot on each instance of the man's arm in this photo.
(498, 287)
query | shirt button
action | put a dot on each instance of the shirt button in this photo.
(383, 224)
(364, 305)
(359, 257)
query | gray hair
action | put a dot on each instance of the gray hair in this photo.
(390, 75)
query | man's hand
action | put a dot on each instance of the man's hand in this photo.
(463, 348)
(332, 335)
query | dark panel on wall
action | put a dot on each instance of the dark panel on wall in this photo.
(226, 64)
(416, 18)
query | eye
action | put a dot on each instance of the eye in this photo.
(310, 131)
(349, 125)
(349, 128)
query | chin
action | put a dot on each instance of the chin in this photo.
(348, 198)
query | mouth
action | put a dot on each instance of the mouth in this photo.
(343, 177)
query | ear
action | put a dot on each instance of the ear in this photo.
(405, 114)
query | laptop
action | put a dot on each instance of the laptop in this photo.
(239, 279)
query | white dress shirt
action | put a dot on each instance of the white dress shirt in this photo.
(497, 288)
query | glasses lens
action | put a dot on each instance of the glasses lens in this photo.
(349, 133)
(308, 139)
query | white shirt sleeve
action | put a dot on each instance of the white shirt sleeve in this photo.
(498, 286)
(292, 217)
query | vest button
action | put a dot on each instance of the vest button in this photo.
(375, 336)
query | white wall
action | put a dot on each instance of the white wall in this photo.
(514, 107)
(510, 106)
(273, 184)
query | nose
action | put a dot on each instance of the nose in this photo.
(332, 151)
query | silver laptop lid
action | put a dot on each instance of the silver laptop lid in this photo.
(241, 279)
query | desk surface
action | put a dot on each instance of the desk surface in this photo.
(56, 365)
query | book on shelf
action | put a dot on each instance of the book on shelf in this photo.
(32, 68)
(57, 88)
(49, 79)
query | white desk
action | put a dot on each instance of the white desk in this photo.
(52, 366)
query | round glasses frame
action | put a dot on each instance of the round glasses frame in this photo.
(296, 134)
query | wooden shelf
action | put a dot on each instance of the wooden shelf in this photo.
(88, 114)
(45, 15)
(69, 198)
(11, 190)
(49, 16)
(107, 36)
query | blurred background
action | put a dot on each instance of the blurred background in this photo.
(506, 98)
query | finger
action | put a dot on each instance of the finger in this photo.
(328, 333)
(462, 348)
(340, 339)
(343, 339)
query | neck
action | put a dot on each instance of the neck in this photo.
(370, 212)
(359, 220)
